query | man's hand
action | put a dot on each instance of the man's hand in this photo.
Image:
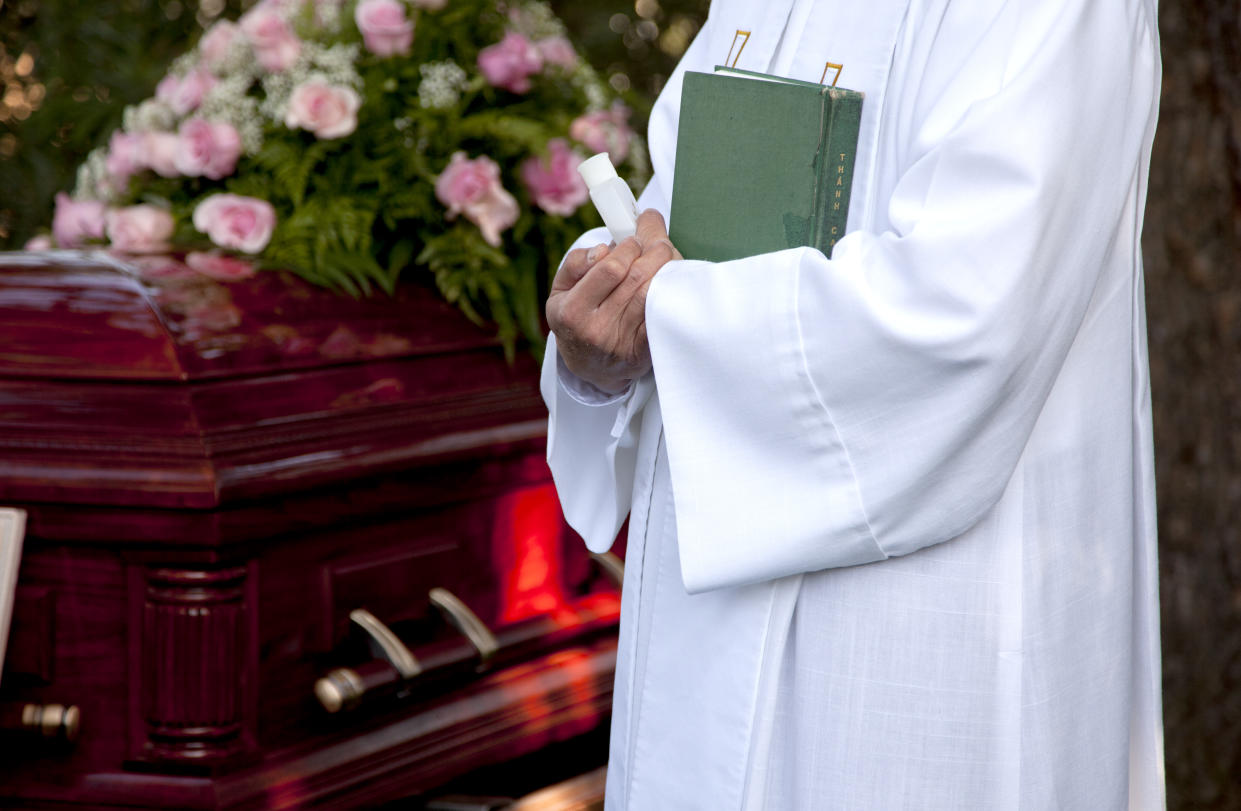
(597, 305)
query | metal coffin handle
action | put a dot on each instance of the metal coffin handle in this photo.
(340, 689)
(46, 722)
(612, 566)
(343, 688)
(467, 622)
(386, 644)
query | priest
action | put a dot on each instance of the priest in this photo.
(891, 518)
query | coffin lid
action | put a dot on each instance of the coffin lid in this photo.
(76, 314)
(141, 380)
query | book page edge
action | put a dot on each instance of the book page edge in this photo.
(12, 531)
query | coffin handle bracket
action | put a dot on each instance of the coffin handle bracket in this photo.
(467, 622)
(386, 644)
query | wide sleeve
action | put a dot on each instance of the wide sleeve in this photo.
(822, 413)
(591, 443)
(592, 438)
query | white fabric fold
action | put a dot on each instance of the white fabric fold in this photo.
(892, 540)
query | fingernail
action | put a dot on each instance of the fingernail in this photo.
(593, 253)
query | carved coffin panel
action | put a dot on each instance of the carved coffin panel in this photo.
(195, 663)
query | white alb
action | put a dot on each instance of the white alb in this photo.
(892, 536)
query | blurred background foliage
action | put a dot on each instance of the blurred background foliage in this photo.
(67, 69)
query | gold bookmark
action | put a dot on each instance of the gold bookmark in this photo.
(828, 67)
(739, 35)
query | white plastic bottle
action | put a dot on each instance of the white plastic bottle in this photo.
(611, 196)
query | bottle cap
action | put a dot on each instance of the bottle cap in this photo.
(596, 170)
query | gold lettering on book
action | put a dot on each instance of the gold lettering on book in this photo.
(744, 36)
(840, 176)
(828, 67)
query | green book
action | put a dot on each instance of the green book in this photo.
(763, 163)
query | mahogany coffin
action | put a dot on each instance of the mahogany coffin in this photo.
(247, 501)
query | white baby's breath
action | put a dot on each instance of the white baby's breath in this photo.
(92, 178)
(536, 20)
(327, 14)
(184, 63)
(238, 60)
(337, 63)
(228, 102)
(441, 85)
(151, 115)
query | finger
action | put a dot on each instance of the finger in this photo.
(631, 331)
(619, 300)
(571, 270)
(653, 234)
(576, 264)
(651, 227)
(654, 257)
(605, 275)
(631, 313)
(644, 268)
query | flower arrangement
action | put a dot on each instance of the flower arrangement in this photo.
(350, 141)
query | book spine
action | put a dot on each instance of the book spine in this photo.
(842, 117)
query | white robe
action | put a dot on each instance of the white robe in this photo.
(892, 537)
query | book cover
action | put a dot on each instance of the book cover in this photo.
(763, 163)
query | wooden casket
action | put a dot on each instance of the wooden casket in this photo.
(285, 548)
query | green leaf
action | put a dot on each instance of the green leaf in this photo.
(512, 132)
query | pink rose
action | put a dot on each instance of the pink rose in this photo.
(557, 51)
(125, 157)
(40, 243)
(184, 94)
(275, 45)
(139, 229)
(207, 149)
(385, 28)
(216, 45)
(160, 152)
(554, 182)
(329, 111)
(604, 131)
(472, 188)
(166, 88)
(220, 267)
(510, 63)
(76, 221)
(239, 223)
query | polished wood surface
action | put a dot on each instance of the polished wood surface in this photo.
(93, 315)
(216, 475)
(146, 383)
